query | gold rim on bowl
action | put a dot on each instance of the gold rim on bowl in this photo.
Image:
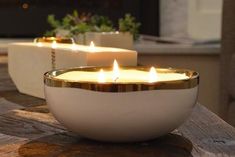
(191, 82)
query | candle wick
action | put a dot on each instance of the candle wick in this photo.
(115, 80)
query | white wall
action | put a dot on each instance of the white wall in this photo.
(204, 19)
(197, 19)
(173, 18)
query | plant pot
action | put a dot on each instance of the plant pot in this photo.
(80, 39)
(62, 33)
(107, 39)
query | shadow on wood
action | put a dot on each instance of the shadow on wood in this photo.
(29, 125)
(67, 144)
(21, 99)
(6, 83)
(10, 93)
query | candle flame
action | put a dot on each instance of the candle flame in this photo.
(92, 46)
(74, 47)
(152, 75)
(101, 76)
(115, 70)
(39, 44)
(54, 45)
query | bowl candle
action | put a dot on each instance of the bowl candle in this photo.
(121, 104)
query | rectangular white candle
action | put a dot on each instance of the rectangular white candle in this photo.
(29, 61)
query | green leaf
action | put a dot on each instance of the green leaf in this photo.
(66, 22)
(75, 13)
(53, 22)
(105, 28)
(98, 20)
(49, 33)
(129, 24)
(80, 28)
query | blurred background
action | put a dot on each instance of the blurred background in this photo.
(28, 18)
(197, 19)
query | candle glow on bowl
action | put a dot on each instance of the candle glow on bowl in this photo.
(121, 104)
(52, 39)
(42, 41)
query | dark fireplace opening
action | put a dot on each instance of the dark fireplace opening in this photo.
(28, 18)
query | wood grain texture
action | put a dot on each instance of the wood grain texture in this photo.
(66, 144)
(28, 129)
(8, 106)
(209, 134)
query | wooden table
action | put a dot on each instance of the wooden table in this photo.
(28, 129)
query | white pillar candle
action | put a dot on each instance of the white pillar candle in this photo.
(29, 61)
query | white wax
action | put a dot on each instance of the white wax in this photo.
(33, 60)
(126, 76)
(76, 47)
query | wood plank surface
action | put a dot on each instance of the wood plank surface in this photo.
(28, 129)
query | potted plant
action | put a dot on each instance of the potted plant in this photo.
(106, 35)
(85, 28)
(59, 28)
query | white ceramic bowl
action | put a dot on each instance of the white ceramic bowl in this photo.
(121, 113)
